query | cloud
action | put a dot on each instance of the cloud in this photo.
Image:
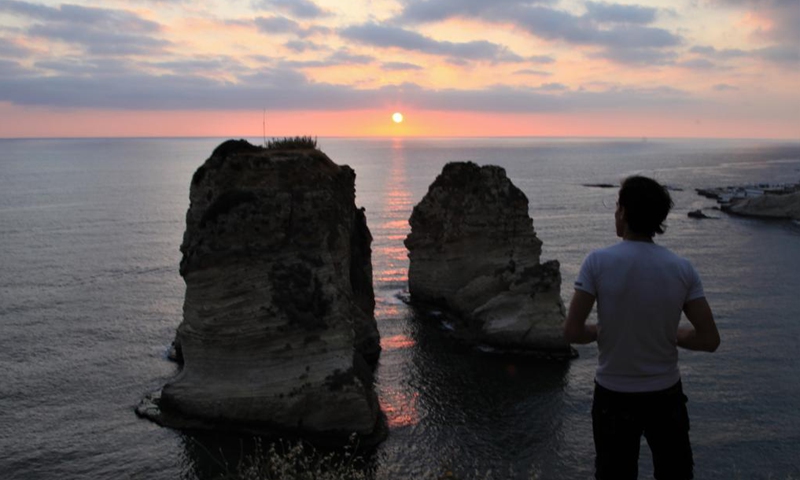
(345, 57)
(552, 87)
(272, 88)
(80, 66)
(438, 10)
(301, 46)
(529, 100)
(724, 87)
(400, 66)
(277, 25)
(280, 25)
(282, 88)
(625, 36)
(528, 71)
(10, 68)
(296, 8)
(541, 59)
(718, 54)
(99, 41)
(101, 31)
(783, 16)
(637, 56)
(603, 12)
(202, 65)
(9, 48)
(163, 2)
(93, 17)
(697, 64)
(619, 30)
(27, 9)
(341, 57)
(788, 55)
(390, 36)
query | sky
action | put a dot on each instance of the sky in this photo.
(645, 68)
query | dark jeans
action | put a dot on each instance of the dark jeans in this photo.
(619, 419)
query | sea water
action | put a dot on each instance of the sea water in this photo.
(90, 297)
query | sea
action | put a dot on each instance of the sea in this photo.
(90, 297)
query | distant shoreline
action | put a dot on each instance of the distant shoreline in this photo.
(780, 202)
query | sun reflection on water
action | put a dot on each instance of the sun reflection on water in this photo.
(396, 342)
(400, 408)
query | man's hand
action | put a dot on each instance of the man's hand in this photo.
(703, 334)
(575, 328)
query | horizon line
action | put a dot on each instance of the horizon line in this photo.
(402, 137)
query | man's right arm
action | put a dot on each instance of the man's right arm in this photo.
(575, 328)
(703, 334)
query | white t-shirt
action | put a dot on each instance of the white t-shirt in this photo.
(641, 289)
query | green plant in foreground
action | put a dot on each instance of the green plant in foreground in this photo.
(301, 461)
(292, 143)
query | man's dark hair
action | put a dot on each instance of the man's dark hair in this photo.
(646, 204)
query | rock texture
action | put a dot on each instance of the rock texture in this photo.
(769, 206)
(278, 326)
(473, 253)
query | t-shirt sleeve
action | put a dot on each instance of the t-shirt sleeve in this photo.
(586, 276)
(695, 285)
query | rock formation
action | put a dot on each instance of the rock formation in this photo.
(698, 214)
(278, 325)
(474, 254)
(769, 206)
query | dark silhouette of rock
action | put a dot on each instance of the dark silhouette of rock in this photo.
(697, 214)
(474, 254)
(278, 329)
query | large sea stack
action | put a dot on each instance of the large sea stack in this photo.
(474, 254)
(278, 330)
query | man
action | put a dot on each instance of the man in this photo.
(640, 289)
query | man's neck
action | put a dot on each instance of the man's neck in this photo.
(635, 237)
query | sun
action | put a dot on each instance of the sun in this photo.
(397, 117)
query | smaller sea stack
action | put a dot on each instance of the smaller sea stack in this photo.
(474, 254)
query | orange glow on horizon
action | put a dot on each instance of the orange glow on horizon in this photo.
(33, 122)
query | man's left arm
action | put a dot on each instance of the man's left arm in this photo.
(575, 328)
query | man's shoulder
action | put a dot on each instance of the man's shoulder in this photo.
(672, 256)
(599, 258)
(633, 250)
(611, 250)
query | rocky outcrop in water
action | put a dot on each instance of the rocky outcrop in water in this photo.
(698, 214)
(278, 329)
(769, 206)
(474, 254)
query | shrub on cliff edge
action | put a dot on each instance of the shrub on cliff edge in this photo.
(292, 143)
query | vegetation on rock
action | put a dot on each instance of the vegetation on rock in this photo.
(292, 143)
